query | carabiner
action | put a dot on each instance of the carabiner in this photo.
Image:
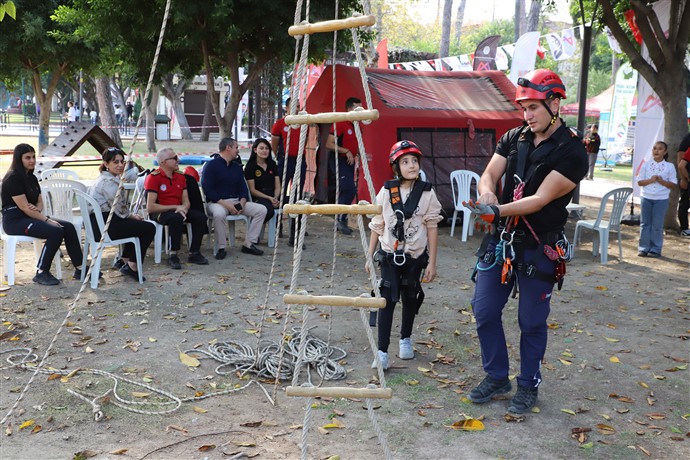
(399, 258)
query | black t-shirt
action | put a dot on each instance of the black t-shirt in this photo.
(685, 143)
(567, 156)
(264, 180)
(16, 183)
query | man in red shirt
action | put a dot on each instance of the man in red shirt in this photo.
(279, 136)
(346, 150)
(168, 204)
(684, 172)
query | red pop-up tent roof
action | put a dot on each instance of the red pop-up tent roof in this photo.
(594, 105)
(454, 117)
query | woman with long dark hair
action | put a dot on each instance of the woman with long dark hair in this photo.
(22, 209)
(261, 172)
(123, 224)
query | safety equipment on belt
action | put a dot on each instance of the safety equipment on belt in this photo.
(403, 211)
(402, 279)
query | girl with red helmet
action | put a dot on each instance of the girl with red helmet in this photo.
(407, 231)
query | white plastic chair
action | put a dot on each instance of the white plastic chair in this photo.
(58, 199)
(88, 205)
(461, 183)
(10, 253)
(58, 173)
(231, 233)
(602, 227)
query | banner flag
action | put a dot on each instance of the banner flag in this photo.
(650, 112)
(485, 54)
(524, 55)
(613, 43)
(568, 42)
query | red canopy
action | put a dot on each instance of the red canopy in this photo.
(594, 105)
(454, 117)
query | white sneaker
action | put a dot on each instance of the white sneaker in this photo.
(685, 233)
(406, 351)
(382, 358)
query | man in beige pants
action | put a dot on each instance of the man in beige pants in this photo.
(227, 193)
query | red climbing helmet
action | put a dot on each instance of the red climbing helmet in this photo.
(403, 148)
(540, 84)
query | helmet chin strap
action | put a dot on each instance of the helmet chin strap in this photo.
(553, 117)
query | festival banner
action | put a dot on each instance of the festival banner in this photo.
(613, 139)
(485, 54)
(524, 55)
(613, 43)
(650, 112)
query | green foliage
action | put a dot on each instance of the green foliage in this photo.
(8, 8)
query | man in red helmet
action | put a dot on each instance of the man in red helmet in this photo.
(543, 161)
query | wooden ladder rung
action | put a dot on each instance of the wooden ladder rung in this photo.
(335, 301)
(330, 26)
(340, 392)
(332, 117)
(329, 209)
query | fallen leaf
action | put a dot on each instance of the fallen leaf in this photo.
(84, 454)
(189, 360)
(470, 424)
(508, 417)
(644, 451)
(36, 429)
(605, 429)
(176, 428)
(89, 350)
(118, 452)
(614, 359)
(207, 447)
(608, 339)
(140, 394)
(245, 444)
(676, 369)
(335, 423)
(27, 424)
(588, 445)
(199, 410)
(252, 424)
(568, 411)
(601, 288)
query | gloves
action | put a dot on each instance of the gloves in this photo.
(488, 213)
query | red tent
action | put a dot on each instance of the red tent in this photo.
(455, 118)
(594, 105)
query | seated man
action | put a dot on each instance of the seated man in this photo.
(168, 204)
(227, 193)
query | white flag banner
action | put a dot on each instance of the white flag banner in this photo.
(650, 112)
(501, 59)
(613, 140)
(568, 42)
(524, 55)
(556, 47)
(613, 43)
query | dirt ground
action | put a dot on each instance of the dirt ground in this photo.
(615, 374)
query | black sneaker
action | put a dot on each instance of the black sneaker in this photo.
(77, 274)
(252, 250)
(489, 388)
(46, 279)
(220, 255)
(174, 262)
(118, 264)
(525, 398)
(197, 258)
(127, 271)
(343, 228)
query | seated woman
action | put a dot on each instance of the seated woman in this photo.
(123, 224)
(22, 209)
(262, 177)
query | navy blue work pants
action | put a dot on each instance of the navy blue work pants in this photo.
(534, 305)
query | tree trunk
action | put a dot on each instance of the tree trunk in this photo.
(107, 114)
(44, 100)
(173, 92)
(533, 16)
(150, 114)
(444, 49)
(520, 20)
(675, 127)
(459, 18)
(208, 115)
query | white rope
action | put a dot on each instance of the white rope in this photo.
(100, 247)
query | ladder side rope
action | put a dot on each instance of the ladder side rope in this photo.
(100, 247)
(361, 65)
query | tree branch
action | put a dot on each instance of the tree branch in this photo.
(652, 33)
